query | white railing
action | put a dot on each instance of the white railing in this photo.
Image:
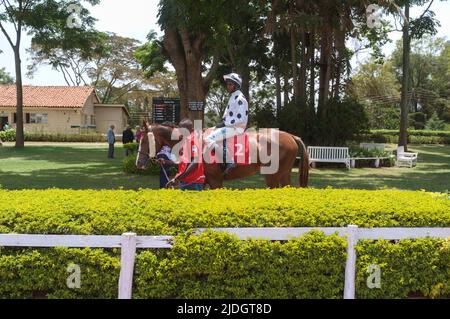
(129, 242)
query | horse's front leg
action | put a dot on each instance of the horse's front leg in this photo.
(214, 176)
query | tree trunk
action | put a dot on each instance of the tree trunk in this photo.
(286, 85)
(303, 68)
(312, 75)
(403, 138)
(325, 68)
(185, 54)
(244, 72)
(340, 46)
(293, 40)
(278, 88)
(195, 89)
(20, 140)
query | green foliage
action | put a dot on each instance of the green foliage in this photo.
(150, 56)
(169, 212)
(218, 265)
(416, 120)
(131, 147)
(356, 151)
(410, 268)
(264, 117)
(359, 152)
(129, 166)
(342, 121)
(434, 123)
(10, 136)
(384, 118)
(5, 78)
(25, 273)
(415, 136)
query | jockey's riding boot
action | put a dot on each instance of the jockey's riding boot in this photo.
(228, 168)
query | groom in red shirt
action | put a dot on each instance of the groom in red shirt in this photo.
(190, 175)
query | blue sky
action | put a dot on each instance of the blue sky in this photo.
(135, 18)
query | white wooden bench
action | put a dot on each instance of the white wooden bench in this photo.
(329, 155)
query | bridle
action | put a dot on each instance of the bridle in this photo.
(148, 157)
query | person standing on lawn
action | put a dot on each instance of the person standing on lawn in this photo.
(139, 134)
(111, 138)
(127, 137)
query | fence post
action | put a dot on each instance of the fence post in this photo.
(350, 268)
(128, 252)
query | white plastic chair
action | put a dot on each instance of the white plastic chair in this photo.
(406, 159)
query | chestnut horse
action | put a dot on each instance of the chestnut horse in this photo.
(288, 145)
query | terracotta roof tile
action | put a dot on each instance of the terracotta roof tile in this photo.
(46, 96)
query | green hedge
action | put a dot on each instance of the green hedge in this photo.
(414, 137)
(414, 132)
(10, 136)
(216, 265)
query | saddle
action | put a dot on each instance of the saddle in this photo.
(236, 148)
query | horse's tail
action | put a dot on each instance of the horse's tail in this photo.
(304, 162)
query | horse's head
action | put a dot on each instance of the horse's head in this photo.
(148, 147)
(153, 139)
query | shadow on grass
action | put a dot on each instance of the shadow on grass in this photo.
(41, 167)
(67, 167)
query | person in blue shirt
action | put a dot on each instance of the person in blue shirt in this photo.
(111, 138)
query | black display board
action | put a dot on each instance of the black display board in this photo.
(166, 110)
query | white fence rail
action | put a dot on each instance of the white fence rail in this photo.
(129, 242)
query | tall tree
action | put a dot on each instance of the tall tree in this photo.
(48, 22)
(74, 63)
(412, 28)
(193, 42)
(110, 63)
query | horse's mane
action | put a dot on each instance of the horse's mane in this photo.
(169, 124)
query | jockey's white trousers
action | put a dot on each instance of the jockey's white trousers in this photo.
(220, 134)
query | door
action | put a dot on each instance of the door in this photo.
(3, 121)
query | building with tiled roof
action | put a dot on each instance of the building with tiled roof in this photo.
(61, 109)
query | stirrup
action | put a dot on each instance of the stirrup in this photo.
(228, 168)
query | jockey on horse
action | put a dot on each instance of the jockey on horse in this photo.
(234, 120)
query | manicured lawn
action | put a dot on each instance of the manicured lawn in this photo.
(85, 166)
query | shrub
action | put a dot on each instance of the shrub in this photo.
(342, 121)
(218, 265)
(383, 117)
(415, 137)
(10, 136)
(416, 120)
(359, 152)
(131, 147)
(434, 123)
(129, 167)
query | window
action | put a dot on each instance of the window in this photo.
(89, 120)
(38, 118)
(27, 118)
